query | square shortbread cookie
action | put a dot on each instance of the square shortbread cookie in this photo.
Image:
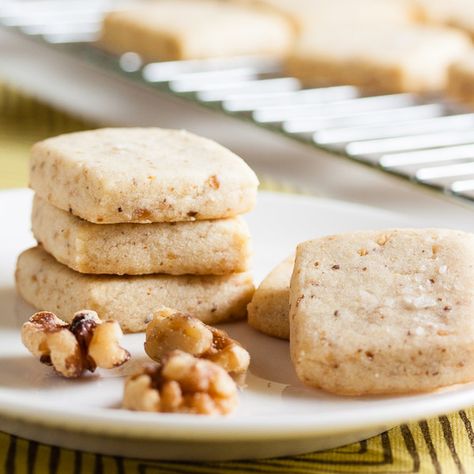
(131, 300)
(461, 79)
(456, 13)
(317, 13)
(379, 59)
(216, 247)
(194, 29)
(384, 311)
(141, 175)
(270, 305)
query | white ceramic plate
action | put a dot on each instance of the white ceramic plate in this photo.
(277, 415)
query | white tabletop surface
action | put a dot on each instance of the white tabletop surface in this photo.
(88, 92)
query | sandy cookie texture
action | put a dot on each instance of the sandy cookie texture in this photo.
(269, 308)
(215, 247)
(130, 300)
(185, 29)
(384, 312)
(141, 175)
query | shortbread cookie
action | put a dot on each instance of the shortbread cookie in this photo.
(456, 13)
(380, 59)
(215, 247)
(268, 310)
(188, 29)
(141, 175)
(461, 79)
(316, 13)
(384, 311)
(130, 300)
(434, 11)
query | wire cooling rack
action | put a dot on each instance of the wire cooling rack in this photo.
(424, 139)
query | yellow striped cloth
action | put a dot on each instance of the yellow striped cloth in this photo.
(441, 445)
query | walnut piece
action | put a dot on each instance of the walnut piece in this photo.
(74, 348)
(181, 383)
(170, 329)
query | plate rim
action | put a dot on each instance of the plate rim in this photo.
(136, 425)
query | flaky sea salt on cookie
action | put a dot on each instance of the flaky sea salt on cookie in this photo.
(130, 300)
(270, 305)
(380, 59)
(215, 247)
(141, 175)
(166, 30)
(384, 311)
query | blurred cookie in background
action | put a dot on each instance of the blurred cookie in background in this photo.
(461, 80)
(395, 58)
(167, 30)
(316, 13)
(455, 13)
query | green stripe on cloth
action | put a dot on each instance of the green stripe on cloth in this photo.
(441, 445)
(24, 121)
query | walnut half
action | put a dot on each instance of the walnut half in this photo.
(181, 383)
(170, 329)
(84, 344)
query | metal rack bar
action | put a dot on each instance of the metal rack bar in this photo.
(423, 139)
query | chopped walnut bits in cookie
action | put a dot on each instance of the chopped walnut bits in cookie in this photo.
(170, 329)
(181, 383)
(84, 344)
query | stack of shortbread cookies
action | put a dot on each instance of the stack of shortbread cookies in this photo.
(129, 220)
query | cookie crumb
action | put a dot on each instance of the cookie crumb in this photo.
(214, 182)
